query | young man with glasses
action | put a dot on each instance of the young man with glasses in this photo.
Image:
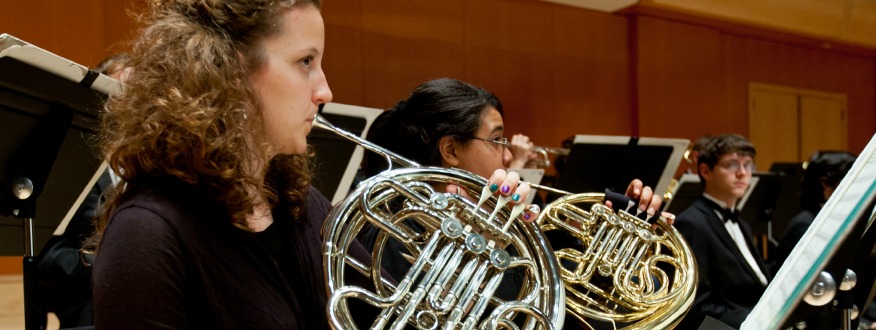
(732, 274)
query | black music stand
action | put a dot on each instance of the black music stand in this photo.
(48, 111)
(335, 154)
(687, 189)
(598, 162)
(841, 238)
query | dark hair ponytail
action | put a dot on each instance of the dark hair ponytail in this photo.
(435, 109)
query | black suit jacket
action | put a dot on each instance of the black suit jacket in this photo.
(728, 288)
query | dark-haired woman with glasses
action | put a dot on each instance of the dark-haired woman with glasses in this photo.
(450, 123)
(443, 123)
(447, 123)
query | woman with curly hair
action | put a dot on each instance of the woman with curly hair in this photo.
(215, 224)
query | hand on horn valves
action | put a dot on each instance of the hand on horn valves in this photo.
(648, 201)
(506, 184)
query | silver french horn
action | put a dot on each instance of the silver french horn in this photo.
(458, 255)
(610, 268)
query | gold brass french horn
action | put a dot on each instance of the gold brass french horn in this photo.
(468, 267)
(616, 269)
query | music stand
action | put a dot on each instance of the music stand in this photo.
(841, 231)
(599, 162)
(687, 189)
(335, 154)
(48, 111)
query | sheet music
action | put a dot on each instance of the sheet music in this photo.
(830, 228)
(70, 213)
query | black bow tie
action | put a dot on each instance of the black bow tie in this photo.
(726, 214)
(730, 215)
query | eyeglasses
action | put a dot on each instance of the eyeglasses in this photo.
(502, 141)
(735, 166)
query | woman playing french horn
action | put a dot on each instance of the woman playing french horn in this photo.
(450, 123)
(215, 224)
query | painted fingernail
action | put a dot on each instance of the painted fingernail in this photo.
(494, 187)
(515, 197)
(526, 216)
(534, 208)
(506, 189)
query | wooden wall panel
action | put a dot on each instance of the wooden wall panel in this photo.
(507, 44)
(681, 81)
(71, 29)
(591, 76)
(343, 60)
(11, 265)
(81, 31)
(558, 70)
(120, 24)
(700, 75)
(752, 60)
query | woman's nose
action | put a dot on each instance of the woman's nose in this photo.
(322, 94)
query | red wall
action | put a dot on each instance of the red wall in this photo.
(562, 71)
(558, 70)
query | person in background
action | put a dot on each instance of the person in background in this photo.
(523, 153)
(823, 173)
(694, 153)
(450, 123)
(115, 66)
(732, 275)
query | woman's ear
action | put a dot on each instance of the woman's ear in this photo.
(449, 149)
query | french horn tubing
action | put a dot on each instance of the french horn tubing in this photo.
(608, 267)
(617, 270)
(465, 268)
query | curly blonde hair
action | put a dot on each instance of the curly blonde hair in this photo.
(183, 109)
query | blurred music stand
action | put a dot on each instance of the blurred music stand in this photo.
(598, 162)
(335, 154)
(788, 202)
(686, 191)
(794, 169)
(48, 110)
(841, 238)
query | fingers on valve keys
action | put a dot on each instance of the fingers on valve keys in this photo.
(510, 190)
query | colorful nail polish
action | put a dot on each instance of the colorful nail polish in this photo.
(494, 187)
(515, 197)
(506, 189)
(526, 216)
